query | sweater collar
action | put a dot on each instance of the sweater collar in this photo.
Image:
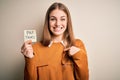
(62, 42)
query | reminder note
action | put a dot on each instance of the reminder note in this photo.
(30, 35)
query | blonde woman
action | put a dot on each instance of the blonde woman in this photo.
(58, 56)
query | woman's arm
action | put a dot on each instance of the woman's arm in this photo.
(30, 72)
(30, 61)
(79, 56)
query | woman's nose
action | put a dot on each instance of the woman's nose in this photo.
(58, 23)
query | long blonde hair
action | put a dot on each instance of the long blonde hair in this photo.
(68, 34)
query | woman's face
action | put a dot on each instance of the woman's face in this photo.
(58, 22)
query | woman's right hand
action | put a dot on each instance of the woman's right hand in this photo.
(27, 49)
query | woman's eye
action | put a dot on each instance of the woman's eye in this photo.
(52, 19)
(62, 19)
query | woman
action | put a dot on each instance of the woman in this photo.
(58, 56)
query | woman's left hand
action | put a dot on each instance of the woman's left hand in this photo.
(72, 50)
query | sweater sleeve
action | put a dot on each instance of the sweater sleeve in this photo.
(80, 62)
(30, 72)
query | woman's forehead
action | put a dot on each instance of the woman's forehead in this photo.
(58, 13)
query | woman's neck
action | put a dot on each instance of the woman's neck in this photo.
(57, 38)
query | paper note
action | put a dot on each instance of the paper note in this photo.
(30, 35)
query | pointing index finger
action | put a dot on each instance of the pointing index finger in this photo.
(66, 49)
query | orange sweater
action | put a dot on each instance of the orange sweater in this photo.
(52, 63)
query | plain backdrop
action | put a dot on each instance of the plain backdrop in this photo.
(95, 22)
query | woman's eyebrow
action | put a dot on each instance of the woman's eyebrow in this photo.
(55, 17)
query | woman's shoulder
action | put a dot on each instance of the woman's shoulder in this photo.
(79, 42)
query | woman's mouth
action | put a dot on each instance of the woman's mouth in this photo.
(58, 28)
